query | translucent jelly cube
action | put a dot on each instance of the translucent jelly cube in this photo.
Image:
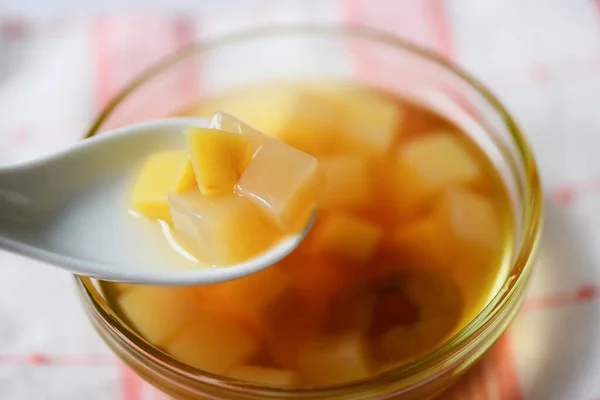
(404, 343)
(424, 242)
(432, 293)
(220, 230)
(371, 122)
(349, 238)
(266, 376)
(246, 300)
(334, 359)
(227, 122)
(157, 312)
(472, 219)
(290, 322)
(428, 164)
(283, 182)
(439, 304)
(162, 174)
(462, 225)
(347, 182)
(266, 109)
(218, 158)
(213, 344)
(316, 279)
(310, 123)
(351, 309)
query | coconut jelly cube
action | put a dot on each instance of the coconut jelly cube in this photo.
(334, 359)
(221, 229)
(213, 344)
(349, 238)
(163, 173)
(283, 182)
(370, 122)
(472, 219)
(157, 312)
(266, 376)
(423, 242)
(246, 300)
(428, 164)
(347, 182)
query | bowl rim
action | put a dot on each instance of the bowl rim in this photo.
(515, 281)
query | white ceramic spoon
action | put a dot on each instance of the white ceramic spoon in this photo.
(71, 210)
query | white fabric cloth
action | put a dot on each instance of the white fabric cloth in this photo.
(541, 57)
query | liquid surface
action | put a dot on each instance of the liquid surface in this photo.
(407, 248)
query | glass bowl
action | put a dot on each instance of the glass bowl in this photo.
(327, 53)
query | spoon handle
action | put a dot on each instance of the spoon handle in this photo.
(16, 193)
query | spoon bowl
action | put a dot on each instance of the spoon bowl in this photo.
(71, 210)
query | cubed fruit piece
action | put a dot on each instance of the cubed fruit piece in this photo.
(316, 279)
(162, 174)
(461, 225)
(347, 182)
(439, 307)
(392, 307)
(247, 300)
(218, 158)
(283, 182)
(213, 344)
(221, 229)
(370, 122)
(265, 376)
(432, 293)
(292, 114)
(399, 344)
(472, 219)
(423, 242)
(157, 312)
(227, 122)
(406, 342)
(349, 238)
(290, 322)
(428, 164)
(334, 359)
(351, 309)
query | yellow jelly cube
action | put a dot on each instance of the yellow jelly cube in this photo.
(212, 344)
(220, 229)
(227, 122)
(349, 238)
(247, 300)
(283, 182)
(432, 293)
(370, 122)
(423, 243)
(439, 303)
(266, 109)
(218, 158)
(347, 182)
(334, 359)
(162, 174)
(428, 164)
(472, 219)
(157, 312)
(266, 376)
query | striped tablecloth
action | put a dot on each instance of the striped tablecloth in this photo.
(541, 57)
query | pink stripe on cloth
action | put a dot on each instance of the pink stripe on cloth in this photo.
(125, 47)
(502, 362)
(131, 384)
